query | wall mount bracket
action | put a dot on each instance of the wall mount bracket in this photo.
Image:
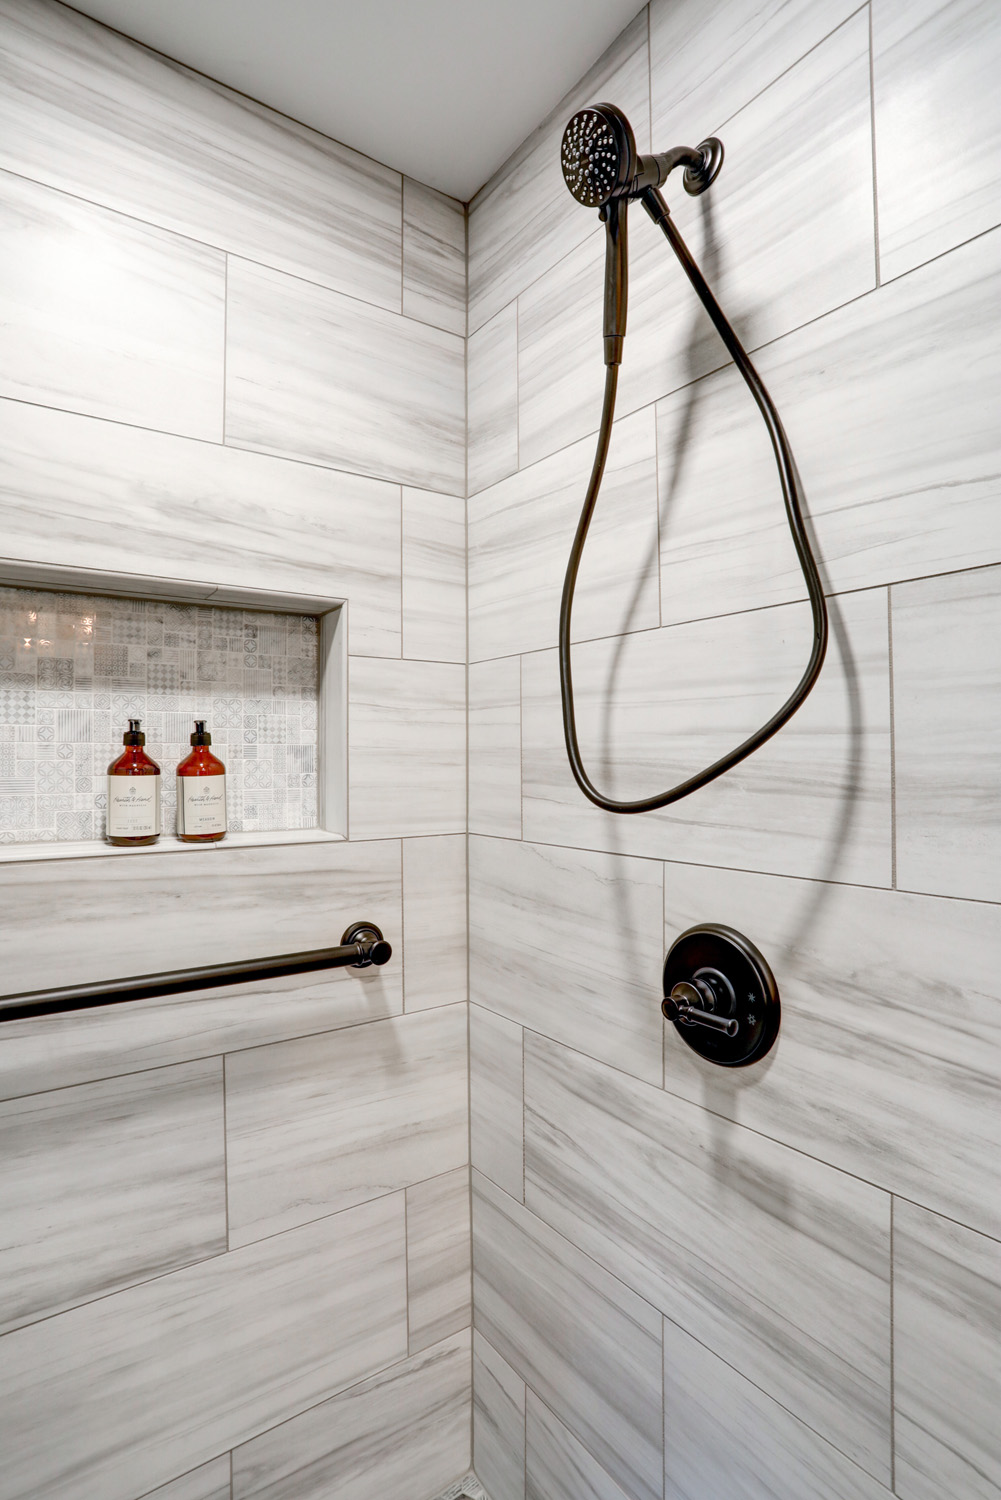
(721, 996)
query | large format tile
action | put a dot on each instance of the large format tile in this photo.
(407, 747)
(705, 64)
(938, 126)
(209, 1481)
(883, 456)
(86, 110)
(270, 900)
(888, 1063)
(434, 257)
(496, 1103)
(107, 1184)
(498, 1423)
(521, 531)
(724, 1439)
(585, 1343)
(438, 1271)
(435, 922)
(657, 707)
(404, 1432)
(101, 314)
(495, 747)
(80, 493)
(947, 717)
(317, 375)
(391, 1094)
(778, 1263)
(558, 1467)
(434, 576)
(947, 1359)
(812, 250)
(569, 943)
(160, 1378)
(492, 400)
(524, 220)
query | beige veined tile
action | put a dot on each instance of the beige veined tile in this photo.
(434, 257)
(438, 1270)
(777, 1262)
(947, 667)
(938, 126)
(495, 747)
(173, 148)
(108, 316)
(392, 1094)
(317, 375)
(498, 1423)
(947, 1308)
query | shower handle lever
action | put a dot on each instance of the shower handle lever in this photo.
(691, 1002)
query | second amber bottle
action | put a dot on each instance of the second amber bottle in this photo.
(201, 792)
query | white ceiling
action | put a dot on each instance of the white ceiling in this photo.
(443, 90)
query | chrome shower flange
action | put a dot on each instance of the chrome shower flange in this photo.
(721, 996)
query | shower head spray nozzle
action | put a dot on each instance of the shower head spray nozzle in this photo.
(600, 161)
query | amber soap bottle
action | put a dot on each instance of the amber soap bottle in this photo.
(133, 792)
(201, 792)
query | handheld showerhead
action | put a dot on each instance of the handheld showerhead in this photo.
(600, 161)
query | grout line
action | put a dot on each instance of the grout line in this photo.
(225, 1151)
(225, 340)
(403, 242)
(893, 740)
(872, 134)
(524, 1126)
(403, 618)
(406, 1263)
(521, 747)
(893, 1393)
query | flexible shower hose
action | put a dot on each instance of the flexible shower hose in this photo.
(656, 207)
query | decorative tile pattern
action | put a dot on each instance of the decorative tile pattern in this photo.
(74, 668)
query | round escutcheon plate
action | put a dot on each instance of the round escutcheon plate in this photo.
(727, 969)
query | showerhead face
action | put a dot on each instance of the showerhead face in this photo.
(598, 154)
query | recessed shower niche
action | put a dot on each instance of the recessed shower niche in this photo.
(76, 665)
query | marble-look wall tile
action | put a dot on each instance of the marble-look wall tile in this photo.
(89, 494)
(874, 1071)
(317, 375)
(778, 1263)
(392, 1095)
(947, 1360)
(947, 717)
(495, 747)
(404, 1432)
(569, 943)
(707, 64)
(170, 146)
(269, 900)
(209, 1481)
(655, 707)
(104, 315)
(434, 257)
(438, 1270)
(108, 1184)
(435, 921)
(407, 747)
(241, 1342)
(882, 455)
(496, 1102)
(559, 1467)
(938, 126)
(520, 533)
(492, 400)
(498, 1423)
(587, 1345)
(811, 251)
(724, 1439)
(524, 220)
(434, 576)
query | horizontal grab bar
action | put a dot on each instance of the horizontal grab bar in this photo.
(361, 946)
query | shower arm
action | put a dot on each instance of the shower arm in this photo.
(614, 214)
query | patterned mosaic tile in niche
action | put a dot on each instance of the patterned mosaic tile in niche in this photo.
(75, 668)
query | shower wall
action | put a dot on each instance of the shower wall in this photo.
(689, 1283)
(232, 356)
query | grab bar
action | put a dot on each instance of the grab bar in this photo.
(361, 946)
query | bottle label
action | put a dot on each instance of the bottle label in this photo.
(133, 806)
(201, 804)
